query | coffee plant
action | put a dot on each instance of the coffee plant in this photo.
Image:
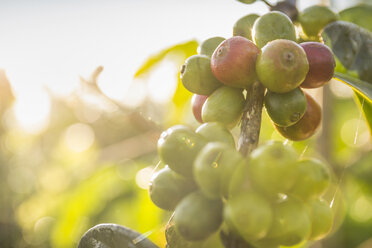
(246, 194)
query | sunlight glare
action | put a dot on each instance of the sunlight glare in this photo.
(32, 110)
(162, 83)
(79, 137)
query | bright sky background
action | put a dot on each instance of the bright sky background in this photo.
(50, 43)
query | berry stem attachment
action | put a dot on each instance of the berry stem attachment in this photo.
(251, 120)
(267, 3)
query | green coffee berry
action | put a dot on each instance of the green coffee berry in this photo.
(249, 214)
(321, 219)
(196, 217)
(208, 46)
(167, 188)
(291, 222)
(197, 77)
(313, 179)
(178, 146)
(307, 125)
(282, 66)
(247, 1)
(225, 106)
(285, 109)
(313, 19)
(273, 168)
(243, 27)
(213, 168)
(214, 131)
(272, 26)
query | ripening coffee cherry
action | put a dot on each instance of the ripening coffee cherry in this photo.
(307, 125)
(225, 106)
(197, 102)
(208, 46)
(282, 66)
(272, 26)
(313, 19)
(249, 214)
(167, 188)
(313, 179)
(291, 222)
(234, 62)
(196, 217)
(285, 109)
(273, 168)
(197, 77)
(178, 146)
(214, 131)
(214, 167)
(243, 27)
(321, 219)
(321, 64)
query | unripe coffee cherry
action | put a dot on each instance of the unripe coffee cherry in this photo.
(225, 106)
(249, 214)
(272, 168)
(321, 219)
(272, 26)
(313, 179)
(214, 131)
(197, 77)
(307, 125)
(243, 27)
(321, 64)
(208, 46)
(282, 66)
(197, 102)
(313, 19)
(291, 222)
(247, 1)
(213, 168)
(167, 188)
(234, 62)
(285, 109)
(178, 146)
(196, 217)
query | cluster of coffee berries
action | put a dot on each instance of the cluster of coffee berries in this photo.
(225, 68)
(275, 198)
(269, 199)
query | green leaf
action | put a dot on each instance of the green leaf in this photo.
(360, 15)
(114, 236)
(352, 46)
(185, 50)
(364, 89)
(367, 109)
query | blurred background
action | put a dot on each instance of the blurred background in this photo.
(86, 87)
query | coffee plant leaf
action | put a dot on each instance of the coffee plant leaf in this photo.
(114, 236)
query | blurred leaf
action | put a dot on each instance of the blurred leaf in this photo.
(352, 46)
(362, 87)
(114, 236)
(367, 109)
(360, 15)
(186, 48)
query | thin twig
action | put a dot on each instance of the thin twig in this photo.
(267, 3)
